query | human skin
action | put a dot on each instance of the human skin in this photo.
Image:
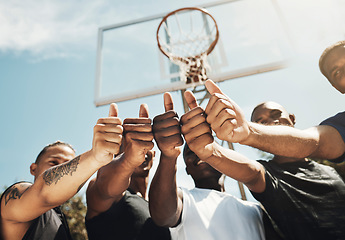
(58, 177)
(130, 168)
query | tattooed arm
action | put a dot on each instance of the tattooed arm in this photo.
(22, 203)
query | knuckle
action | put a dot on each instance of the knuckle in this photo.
(208, 119)
(183, 119)
(221, 135)
(184, 129)
(187, 137)
(119, 128)
(100, 120)
(96, 128)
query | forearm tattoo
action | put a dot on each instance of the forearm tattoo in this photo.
(53, 175)
(13, 193)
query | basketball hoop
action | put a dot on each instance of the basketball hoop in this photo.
(188, 43)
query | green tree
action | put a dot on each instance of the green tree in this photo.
(75, 211)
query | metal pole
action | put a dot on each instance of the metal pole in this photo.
(240, 185)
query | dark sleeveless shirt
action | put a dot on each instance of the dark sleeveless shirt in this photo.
(128, 219)
(50, 225)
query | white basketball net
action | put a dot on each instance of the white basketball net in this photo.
(187, 44)
(192, 69)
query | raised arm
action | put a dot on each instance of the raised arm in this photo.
(198, 135)
(113, 179)
(323, 142)
(24, 202)
(165, 199)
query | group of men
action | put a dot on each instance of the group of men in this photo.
(297, 197)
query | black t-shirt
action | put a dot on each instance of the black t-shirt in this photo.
(50, 225)
(305, 199)
(127, 219)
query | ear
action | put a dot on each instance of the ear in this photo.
(292, 118)
(33, 168)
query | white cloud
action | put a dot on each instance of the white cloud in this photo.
(49, 29)
(55, 28)
(52, 28)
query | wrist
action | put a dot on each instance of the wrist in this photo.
(168, 164)
(91, 158)
(169, 157)
(208, 151)
(127, 165)
(252, 132)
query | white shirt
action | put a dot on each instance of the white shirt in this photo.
(209, 214)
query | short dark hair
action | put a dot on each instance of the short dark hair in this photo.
(257, 106)
(326, 52)
(57, 143)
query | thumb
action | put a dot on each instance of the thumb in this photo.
(190, 99)
(144, 111)
(212, 87)
(168, 102)
(113, 110)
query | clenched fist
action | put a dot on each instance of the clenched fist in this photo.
(166, 130)
(107, 136)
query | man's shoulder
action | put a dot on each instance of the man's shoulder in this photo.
(217, 196)
(15, 191)
(337, 118)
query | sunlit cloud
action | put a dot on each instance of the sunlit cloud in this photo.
(52, 28)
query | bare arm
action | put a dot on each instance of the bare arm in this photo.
(58, 184)
(165, 198)
(113, 179)
(229, 123)
(197, 133)
(237, 166)
(102, 191)
(283, 140)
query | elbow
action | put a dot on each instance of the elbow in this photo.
(163, 221)
(159, 221)
(158, 217)
(51, 200)
(310, 143)
(256, 179)
(164, 217)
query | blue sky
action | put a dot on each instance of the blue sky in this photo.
(48, 60)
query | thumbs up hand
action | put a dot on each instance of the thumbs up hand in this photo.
(107, 136)
(166, 130)
(137, 138)
(195, 129)
(225, 116)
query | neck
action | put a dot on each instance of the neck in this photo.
(207, 183)
(282, 159)
(139, 186)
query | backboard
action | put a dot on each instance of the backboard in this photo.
(130, 65)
